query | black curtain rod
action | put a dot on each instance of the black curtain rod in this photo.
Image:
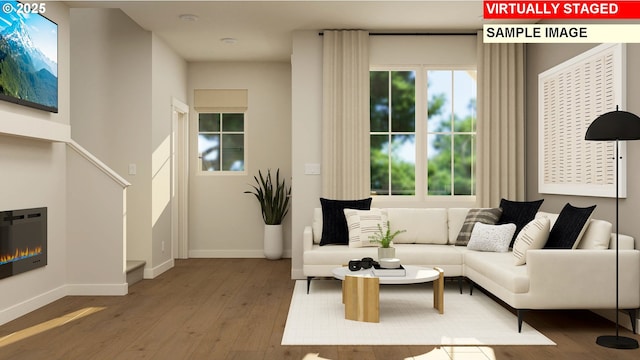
(415, 34)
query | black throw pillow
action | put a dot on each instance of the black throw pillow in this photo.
(568, 227)
(334, 223)
(519, 213)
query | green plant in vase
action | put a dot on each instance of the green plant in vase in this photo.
(385, 239)
(273, 196)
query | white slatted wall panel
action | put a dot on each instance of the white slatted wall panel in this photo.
(571, 96)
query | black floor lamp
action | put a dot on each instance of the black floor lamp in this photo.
(615, 126)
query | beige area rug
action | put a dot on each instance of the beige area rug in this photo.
(407, 317)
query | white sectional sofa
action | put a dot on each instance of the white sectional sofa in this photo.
(583, 278)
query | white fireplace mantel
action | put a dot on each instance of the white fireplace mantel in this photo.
(35, 128)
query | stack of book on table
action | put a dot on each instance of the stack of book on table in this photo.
(380, 271)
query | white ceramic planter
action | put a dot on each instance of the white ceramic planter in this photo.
(273, 242)
(389, 252)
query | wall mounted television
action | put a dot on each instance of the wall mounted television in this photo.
(28, 56)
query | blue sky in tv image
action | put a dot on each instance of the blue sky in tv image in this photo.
(37, 34)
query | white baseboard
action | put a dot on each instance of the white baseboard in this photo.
(152, 273)
(58, 293)
(32, 304)
(232, 254)
(97, 289)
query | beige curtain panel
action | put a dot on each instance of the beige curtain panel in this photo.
(501, 128)
(345, 117)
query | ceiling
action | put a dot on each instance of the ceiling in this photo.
(263, 29)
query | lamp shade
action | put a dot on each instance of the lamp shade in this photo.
(614, 125)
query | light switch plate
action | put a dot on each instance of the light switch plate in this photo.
(312, 169)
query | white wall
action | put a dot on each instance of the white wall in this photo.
(111, 109)
(96, 222)
(223, 221)
(124, 80)
(169, 80)
(33, 175)
(306, 139)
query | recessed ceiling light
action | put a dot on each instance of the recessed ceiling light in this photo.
(188, 17)
(229, 40)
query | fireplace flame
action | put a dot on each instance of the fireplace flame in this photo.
(20, 254)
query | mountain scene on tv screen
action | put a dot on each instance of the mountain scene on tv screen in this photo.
(25, 71)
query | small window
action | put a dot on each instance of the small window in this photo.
(221, 145)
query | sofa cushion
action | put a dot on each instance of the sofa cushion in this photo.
(485, 216)
(423, 226)
(519, 213)
(409, 254)
(499, 268)
(455, 219)
(334, 224)
(569, 228)
(597, 235)
(491, 237)
(363, 224)
(532, 236)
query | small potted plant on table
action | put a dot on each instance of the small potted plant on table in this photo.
(385, 239)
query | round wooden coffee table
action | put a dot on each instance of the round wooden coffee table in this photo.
(361, 289)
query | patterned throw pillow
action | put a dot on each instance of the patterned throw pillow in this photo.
(519, 213)
(532, 236)
(334, 224)
(362, 224)
(485, 216)
(569, 228)
(494, 238)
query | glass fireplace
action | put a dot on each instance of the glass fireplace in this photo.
(23, 240)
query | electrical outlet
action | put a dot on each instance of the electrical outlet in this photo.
(162, 247)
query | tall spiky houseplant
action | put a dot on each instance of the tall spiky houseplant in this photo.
(273, 196)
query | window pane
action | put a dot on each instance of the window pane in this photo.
(403, 164)
(379, 100)
(439, 95)
(209, 122)
(209, 150)
(464, 164)
(439, 166)
(379, 164)
(233, 122)
(233, 152)
(464, 100)
(403, 101)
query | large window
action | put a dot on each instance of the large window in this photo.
(423, 124)
(221, 145)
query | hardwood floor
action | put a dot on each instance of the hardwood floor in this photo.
(237, 309)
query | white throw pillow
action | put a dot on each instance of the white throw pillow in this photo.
(494, 238)
(362, 224)
(597, 236)
(532, 236)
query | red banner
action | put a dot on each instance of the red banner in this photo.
(503, 9)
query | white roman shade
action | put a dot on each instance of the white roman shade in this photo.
(220, 100)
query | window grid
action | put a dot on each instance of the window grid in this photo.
(452, 133)
(422, 135)
(218, 140)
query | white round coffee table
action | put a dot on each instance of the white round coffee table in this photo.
(415, 275)
(361, 289)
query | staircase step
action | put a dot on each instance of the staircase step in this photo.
(135, 271)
